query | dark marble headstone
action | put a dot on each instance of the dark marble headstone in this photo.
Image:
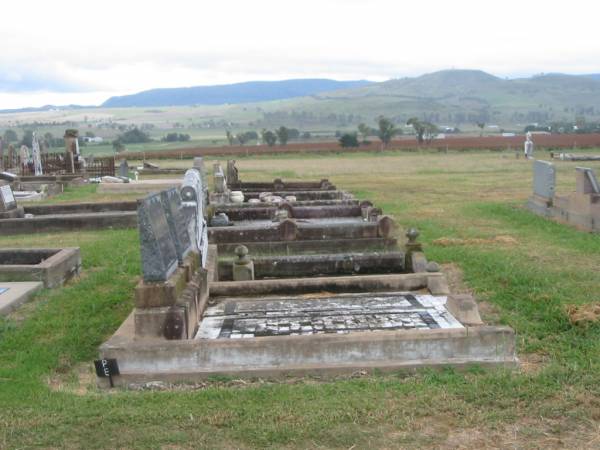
(159, 257)
(7, 199)
(177, 221)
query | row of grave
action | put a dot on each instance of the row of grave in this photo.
(580, 208)
(286, 278)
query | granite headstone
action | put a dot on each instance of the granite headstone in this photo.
(177, 221)
(159, 257)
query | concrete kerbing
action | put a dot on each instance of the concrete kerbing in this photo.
(56, 266)
(190, 360)
(17, 294)
(352, 283)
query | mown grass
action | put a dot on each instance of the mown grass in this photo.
(48, 400)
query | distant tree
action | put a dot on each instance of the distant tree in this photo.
(89, 134)
(269, 137)
(283, 134)
(27, 138)
(10, 136)
(347, 140)
(134, 136)
(176, 137)
(230, 137)
(481, 126)
(118, 146)
(387, 130)
(49, 139)
(419, 128)
(430, 132)
(293, 134)
(365, 131)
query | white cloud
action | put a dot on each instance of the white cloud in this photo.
(114, 47)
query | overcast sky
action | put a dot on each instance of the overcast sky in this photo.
(82, 52)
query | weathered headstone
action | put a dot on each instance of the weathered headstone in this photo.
(71, 148)
(124, 169)
(12, 157)
(586, 181)
(1, 154)
(7, 199)
(232, 172)
(37, 156)
(177, 221)
(159, 257)
(528, 146)
(193, 198)
(220, 182)
(24, 157)
(544, 179)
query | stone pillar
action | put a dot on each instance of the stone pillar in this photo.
(71, 148)
(37, 156)
(243, 267)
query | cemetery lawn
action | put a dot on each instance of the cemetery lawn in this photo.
(525, 272)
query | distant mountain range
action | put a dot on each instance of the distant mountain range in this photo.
(448, 97)
(250, 92)
(453, 97)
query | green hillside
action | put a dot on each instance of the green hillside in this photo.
(457, 97)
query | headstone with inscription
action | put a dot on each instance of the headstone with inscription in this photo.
(7, 199)
(193, 203)
(159, 257)
(178, 223)
(544, 179)
(8, 205)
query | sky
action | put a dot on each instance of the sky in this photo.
(82, 52)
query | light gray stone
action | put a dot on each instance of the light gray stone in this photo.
(7, 199)
(544, 179)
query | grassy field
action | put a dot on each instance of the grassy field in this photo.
(524, 271)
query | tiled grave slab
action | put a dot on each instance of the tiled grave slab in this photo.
(13, 295)
(341, 314)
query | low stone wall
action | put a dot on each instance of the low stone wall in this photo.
(69, 222)
(51, 266)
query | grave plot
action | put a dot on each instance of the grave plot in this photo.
(51, 266)
(580, 209)
(297, 312)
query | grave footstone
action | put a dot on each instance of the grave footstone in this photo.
(544, 179)
(159, 257)
(177, 222)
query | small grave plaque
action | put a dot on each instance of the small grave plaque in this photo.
(107, 368)
(544, 179)
(159, 257)
(7, 199)
(177, 222)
